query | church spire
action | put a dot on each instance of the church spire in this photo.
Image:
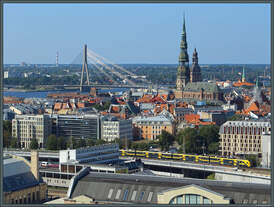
(243, 75)
(257, 82)
(183, 53)
(195, 56)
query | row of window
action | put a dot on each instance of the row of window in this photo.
(242, 145)
(190, 199)
(26, 198)
(242, 149)
(134, 195)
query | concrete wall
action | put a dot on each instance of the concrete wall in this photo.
(238, 178)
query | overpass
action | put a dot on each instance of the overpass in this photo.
(221, 172)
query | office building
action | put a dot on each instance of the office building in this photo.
(77, 126)
(28, 127)
(113, 128)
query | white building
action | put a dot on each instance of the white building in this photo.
(6, 74)
(266, 150)
(112, 128)
(28, 127)
(106, 153)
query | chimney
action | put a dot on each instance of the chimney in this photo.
(35, 164)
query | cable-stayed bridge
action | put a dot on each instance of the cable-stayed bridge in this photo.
(115, 74)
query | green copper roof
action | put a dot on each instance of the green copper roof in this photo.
(198, 86)
(243, 75)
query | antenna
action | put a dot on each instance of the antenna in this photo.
(57, 58)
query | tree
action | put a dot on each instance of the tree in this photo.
(166, 140)
(52, 143)
(71, 143)
(188, 139)
(100, 142)
(90, 142)
(34, 144)
(6, 138)
(253, 160)
(61, 143)
(210, 137)
(236, 117)
(209, 133)
(14, 143)
(80, 143)
(213, 148)
(7, 128)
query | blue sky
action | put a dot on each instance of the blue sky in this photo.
(137, 33)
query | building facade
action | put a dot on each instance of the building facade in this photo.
(28, 127)
(113, 128)
(150, 127)
(266, 150)
(106, 153)
(242, 137)
(77, 126)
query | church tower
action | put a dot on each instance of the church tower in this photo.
(183, 73)
(243, 75)
(195, 72)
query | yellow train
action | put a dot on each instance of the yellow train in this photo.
(185, 157)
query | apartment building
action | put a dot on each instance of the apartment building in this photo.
(28, 127)
(150, 127)
(242, 137)
(113, 128)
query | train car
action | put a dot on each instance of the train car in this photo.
(176, 156)
(214, 160)
(191, 158)
(203, 159)
(244, 163)
(188, 158)
(166, 156)
(154, 155)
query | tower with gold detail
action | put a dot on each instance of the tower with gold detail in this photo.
(183, 73)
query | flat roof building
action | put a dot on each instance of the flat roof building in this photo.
(242, 137)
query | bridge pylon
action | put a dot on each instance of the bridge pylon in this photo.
(84, 67)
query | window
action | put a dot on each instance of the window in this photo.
(125, 195)
(206, 201)
(118, 194)
(110, 193)
(133, 195)
(149, 196)
(141, 195)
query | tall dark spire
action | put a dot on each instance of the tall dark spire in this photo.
(183, 74)
(195, 71)
(183, 53)
(195, 56)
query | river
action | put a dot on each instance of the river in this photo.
(43, 94)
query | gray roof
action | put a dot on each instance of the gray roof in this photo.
(19, 181)
(17, 175)
(198, 86)
(99, 187)
(11, 164)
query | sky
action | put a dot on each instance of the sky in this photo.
(137, 33)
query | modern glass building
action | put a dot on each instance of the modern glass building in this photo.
(77, 126)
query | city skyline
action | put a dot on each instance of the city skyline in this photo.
(126, 36)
